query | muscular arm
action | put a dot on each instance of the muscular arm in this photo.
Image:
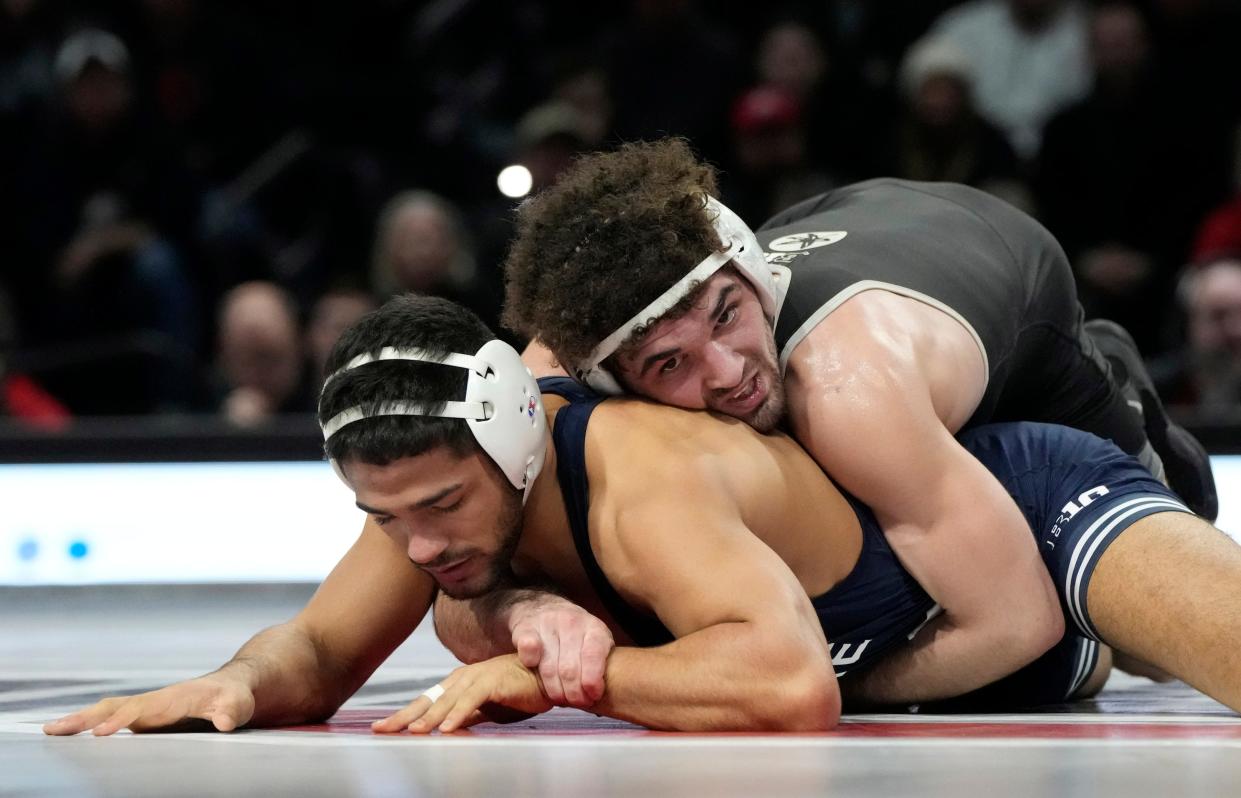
(668, 533)
(749, 652)
(306, 668)
(297, 671)
(864, 410)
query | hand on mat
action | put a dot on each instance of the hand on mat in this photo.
(226, 703)
(567, 645)
(470, 694)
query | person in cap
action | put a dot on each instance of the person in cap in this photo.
(874, 322)
(738, 580)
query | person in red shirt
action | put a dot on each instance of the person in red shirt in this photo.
(22, 398)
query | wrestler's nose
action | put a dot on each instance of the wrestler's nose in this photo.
(423, 548)
(724, 367)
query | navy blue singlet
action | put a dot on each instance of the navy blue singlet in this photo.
(1078, 493)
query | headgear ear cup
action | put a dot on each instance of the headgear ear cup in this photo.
(502, 406)
(514, 434)
(770, 282)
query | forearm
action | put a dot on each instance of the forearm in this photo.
(943, 661)
(290, 678)
(1000, 611)
(728, 677)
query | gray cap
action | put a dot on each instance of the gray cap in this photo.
(934, 56)
(88, 46)
(548, 120)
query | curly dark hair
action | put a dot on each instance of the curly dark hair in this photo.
(613, 235)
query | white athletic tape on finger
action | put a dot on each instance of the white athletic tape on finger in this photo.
(434, 693)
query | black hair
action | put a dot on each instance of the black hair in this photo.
(406, 322)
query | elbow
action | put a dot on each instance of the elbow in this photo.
(818, 704)
(806, 701)
(1051, 630)
(1037, 631)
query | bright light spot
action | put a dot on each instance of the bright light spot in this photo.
(515, 181)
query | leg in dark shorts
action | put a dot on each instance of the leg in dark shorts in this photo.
(1134, 569)
(1078, 493)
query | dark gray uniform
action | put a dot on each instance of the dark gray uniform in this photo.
(991, 266)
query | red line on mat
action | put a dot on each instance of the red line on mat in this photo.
(570, 723)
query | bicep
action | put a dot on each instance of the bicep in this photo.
(371, 601)
(872, 426)
(695, 565)
(880, 438)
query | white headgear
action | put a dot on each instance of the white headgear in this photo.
(739, 247)
(503, 407)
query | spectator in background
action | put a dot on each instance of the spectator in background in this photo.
(1219, 235)
(840, 112)
(1122, 180)
(545, 141)
(260, 357)
(585, 90)
(549, 136)
(106, 203)
(1029, 59)
(421, 245)
(331, 315)
(1206, 375)
(941, 137)
(791, 56)
(21, 398)
(771, 168)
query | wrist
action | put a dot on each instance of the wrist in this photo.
(523, 605)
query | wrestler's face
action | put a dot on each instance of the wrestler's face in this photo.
(719, 356)
(457, 517)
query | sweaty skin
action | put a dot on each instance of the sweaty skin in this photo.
(687, 511)
(874, 393)
(878, 411)
(720, 533)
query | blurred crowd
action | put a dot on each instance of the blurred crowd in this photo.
(197, 197)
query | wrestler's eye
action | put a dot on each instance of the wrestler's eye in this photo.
(670, 365)
(445, 509)
(382, 520)
(727, 316)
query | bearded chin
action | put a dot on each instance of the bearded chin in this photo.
(769, 415)
(500, 566)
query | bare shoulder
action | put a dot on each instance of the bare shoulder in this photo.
(882, 351)
(659, 437)
(639, 452)
(872, 326)
(862, 348)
